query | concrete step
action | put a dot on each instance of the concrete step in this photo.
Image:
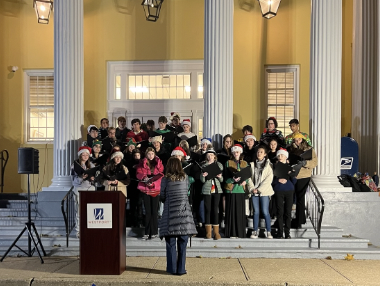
(15, 212)
(309, 232)
(19, 204)
(42, 230)
(38, 221)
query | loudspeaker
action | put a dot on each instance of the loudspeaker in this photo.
(27, 161)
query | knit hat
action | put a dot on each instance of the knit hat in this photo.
(237, 148)
(249, 136)
(206, 140)
(156, 139)
(84, 149)
(211, 150)
(186, 122)
(117, 154)
(175, 114)
(96, 142)
(178, 151)
(298, 135)
(283, 152)
(131, 141)
(92, 127)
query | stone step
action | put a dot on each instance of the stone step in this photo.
(38, 221)
(17, 212)
(225, 253)
(19, 204)
(42, 230)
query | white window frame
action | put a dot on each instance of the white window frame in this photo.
(27, 75)
(137, 108)
(284, 68)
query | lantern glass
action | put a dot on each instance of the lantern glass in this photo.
(269, 8)
(43, 9)
(152, 9)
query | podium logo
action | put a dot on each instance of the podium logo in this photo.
(98, 214)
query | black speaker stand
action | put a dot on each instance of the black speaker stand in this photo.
(28, 227)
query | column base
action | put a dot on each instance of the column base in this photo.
(326, 183)
(49, 200)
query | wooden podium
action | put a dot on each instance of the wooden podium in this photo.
(102, 232)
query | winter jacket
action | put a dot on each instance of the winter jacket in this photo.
(77, 180)
(306, 170)
(264, 185)
(111, 170)
(207, 184)
(143, 171)
(177, 218)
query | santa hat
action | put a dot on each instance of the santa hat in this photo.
(174, 114)
(92, 127)
(117, 154)
(186, 122)
(249, 136)
(237, 148)
(206, 140)
(283, 152)
(84, 149)
(178, 151)
(156, 139)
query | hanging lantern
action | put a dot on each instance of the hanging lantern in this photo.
(152, 9)
(269, 7)
(43, 9)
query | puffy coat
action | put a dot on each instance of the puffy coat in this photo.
(143, 171)
(265, 182)
(177, 218)
(206, 188)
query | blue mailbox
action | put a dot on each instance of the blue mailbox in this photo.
(349, 156)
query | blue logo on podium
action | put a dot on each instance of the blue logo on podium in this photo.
(99, 214)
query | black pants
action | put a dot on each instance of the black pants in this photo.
(300, 190)
(211, 208)
(135, 197)
(284, 202)
(151, 214)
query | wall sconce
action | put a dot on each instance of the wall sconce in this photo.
(43, 9)
(269, 7)
(152, 9)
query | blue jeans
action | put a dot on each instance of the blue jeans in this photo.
(264, 201)
(176, 265)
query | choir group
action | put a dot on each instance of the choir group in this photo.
(245, 178)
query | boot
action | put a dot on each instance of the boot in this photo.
(216, 232)
(208, 231)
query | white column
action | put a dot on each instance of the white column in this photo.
(325, 90)
(218, 69)
(365, 79)
(68, 88)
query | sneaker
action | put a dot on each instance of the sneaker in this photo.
(269, 235)
(200, 224)
(154, 236)
(255, 234)
(288, 236)
(77, 235)
(146, 236)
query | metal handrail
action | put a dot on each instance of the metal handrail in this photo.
(315, 207)
(4, 156)
(68, 212)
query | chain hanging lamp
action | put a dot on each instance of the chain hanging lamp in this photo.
(269, 7)
(152, 9)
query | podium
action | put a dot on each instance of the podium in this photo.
(102, 232)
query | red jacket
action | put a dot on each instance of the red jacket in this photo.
(141, 136)
(143, 171)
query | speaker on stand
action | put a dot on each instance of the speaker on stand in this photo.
(28, 164)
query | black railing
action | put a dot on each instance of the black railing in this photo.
(4, 156)
(315, 206)
(68, 211)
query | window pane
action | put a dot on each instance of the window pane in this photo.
(200, 85)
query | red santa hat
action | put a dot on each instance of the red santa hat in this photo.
(283, 152)
(84, 149)
(249, 136)
(186, 122)
(178, 151)
(237, 148)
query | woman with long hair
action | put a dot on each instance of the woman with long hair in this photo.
(116, 175)
(177, 221)
(148, 167)
(262, 177)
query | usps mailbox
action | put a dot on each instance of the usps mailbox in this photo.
(349, 158)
